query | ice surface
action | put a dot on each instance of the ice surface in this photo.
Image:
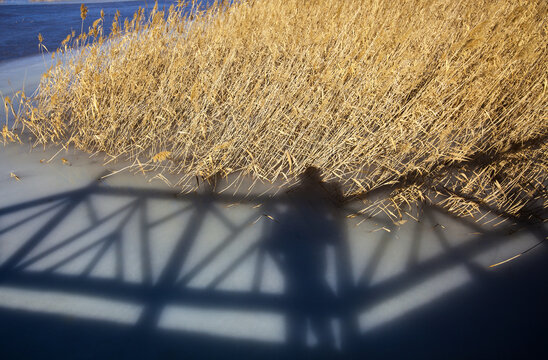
(128, 251)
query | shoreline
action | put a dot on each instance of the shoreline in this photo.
(61, 2)
(21, 73)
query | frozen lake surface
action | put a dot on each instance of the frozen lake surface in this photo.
(120, 267)
(126, 268)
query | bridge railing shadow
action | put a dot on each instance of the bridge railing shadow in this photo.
(170, 275)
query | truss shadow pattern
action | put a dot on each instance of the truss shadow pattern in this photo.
(117, 272)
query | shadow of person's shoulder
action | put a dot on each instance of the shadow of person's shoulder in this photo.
(312, 186)
(334, 192)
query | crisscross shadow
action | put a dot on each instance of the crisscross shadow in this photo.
(120, 272)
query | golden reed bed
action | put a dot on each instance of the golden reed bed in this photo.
(441, 101)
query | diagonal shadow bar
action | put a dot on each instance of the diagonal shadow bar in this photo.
(375, 259)
(216, 251)
(42, 233)
(168, 277)
(33, 216)
(170, 216)
(474, 269)
(44, 200)
(237, 262)
(115, 237)
(78, 235)
(111, 239)
(364, 297)
(105, 240)
(223, 218)
(108, 241)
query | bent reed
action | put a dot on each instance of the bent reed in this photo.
(440, 101)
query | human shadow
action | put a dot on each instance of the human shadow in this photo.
(306, 228)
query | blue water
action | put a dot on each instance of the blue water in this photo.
(20, 24)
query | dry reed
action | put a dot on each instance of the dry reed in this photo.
(442, 101)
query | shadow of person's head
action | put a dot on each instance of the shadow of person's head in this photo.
(312, 187)
(311, 175)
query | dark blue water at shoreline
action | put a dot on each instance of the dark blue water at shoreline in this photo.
(21, 24)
